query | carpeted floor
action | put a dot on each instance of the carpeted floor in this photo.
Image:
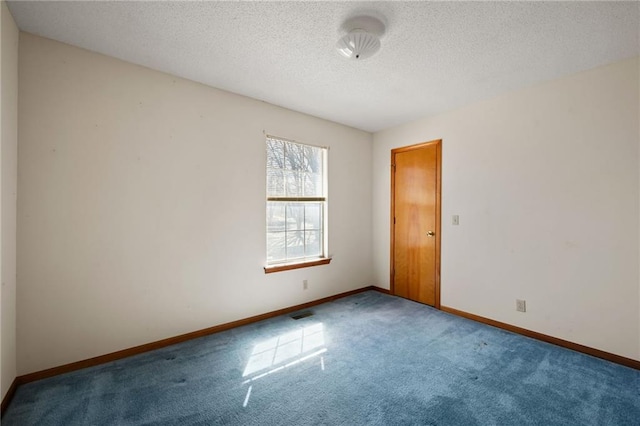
(365, 359)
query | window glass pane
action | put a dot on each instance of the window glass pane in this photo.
(295, 216)
(295, 244)
(292, 184)
(275, 183)
(312, 216)
(276, 247)
(313, 158)
(312, 185)
(275, 216)
(275, 154)
(308, 158)
(313, 243)
(294, 156)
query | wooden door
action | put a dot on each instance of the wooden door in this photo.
(415, 222)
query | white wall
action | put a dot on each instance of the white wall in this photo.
(9, 164)
(142, 206)
(545, 181)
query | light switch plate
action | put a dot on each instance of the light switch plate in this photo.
(455, 219)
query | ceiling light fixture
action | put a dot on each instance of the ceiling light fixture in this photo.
(363, 37)
(358, 44)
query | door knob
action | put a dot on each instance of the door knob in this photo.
(430, 234)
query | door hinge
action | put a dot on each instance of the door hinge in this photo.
(394, 220)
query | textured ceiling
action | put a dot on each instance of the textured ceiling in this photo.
(435, 56)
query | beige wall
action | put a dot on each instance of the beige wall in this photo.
(142, 206)
(545, 181)
(141, 209)
(9, 164)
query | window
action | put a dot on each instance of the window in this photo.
(296, 205)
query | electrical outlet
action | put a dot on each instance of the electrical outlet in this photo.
(455, 220)
(521, 305)
(305, 284)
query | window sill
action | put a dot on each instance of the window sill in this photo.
(288, 266)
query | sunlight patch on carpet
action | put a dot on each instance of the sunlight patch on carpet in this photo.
(284, 348)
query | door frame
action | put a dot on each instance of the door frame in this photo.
(438, 144)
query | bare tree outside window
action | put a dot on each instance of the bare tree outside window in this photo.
(296, 201)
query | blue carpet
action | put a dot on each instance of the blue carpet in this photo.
(365, 359)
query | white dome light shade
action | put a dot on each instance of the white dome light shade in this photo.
(358, 44)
